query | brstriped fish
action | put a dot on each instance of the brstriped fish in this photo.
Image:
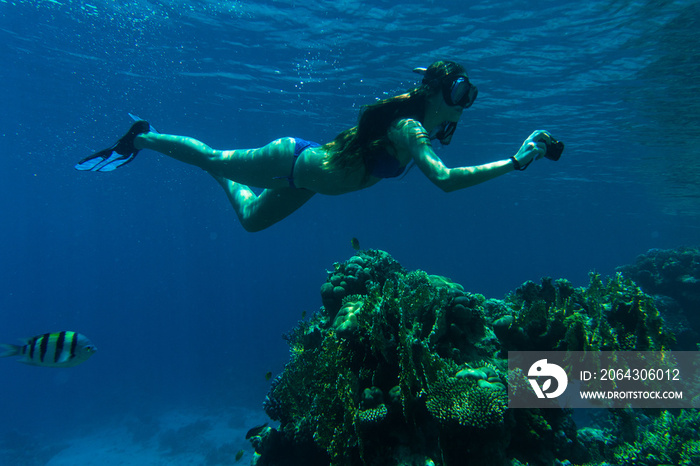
(60, 349)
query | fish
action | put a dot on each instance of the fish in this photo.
(355, 244)
(60, 349)
(239, 455)
(268, 375)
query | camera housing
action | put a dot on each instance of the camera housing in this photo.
(554, 149)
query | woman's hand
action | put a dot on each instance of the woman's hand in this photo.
(533, 148)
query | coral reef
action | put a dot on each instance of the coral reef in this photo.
(614, 315)
(404, 368)
(649, 439)
(672, 277)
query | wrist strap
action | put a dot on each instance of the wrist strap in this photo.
(517, 165)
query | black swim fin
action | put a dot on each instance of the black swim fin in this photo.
(119, 154)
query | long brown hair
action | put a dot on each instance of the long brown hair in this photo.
(352, 147)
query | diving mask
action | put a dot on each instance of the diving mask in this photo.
(460, 92)
(456, 89)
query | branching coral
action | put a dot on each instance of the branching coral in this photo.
(605, 316)
(672, 277)
(664, 439)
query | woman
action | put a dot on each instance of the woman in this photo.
(390, 134)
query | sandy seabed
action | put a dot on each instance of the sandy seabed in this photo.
(171, 438)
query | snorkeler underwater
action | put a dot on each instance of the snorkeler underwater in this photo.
(392, 135)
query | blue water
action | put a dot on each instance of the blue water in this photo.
(186, 308)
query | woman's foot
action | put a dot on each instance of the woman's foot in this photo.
(119, 154)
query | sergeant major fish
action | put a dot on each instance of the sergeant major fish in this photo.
(60, 349)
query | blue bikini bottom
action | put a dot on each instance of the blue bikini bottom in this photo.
(300, 145)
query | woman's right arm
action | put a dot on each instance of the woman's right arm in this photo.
(414, 139)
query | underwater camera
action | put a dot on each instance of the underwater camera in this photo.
(554, 149)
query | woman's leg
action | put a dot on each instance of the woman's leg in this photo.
(266, 167)
(259, 212)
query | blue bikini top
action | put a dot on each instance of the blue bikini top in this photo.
(382, 164)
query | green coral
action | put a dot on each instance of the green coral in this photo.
(672, 277)
(403, 367)
(352, 277)
(440, 281)
(469, 401)
(667, 438)
(346, 322)
(372, 415)
(393, 339)
(606, 316)
(644, 437)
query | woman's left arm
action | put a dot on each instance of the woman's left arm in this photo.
(412, 137)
